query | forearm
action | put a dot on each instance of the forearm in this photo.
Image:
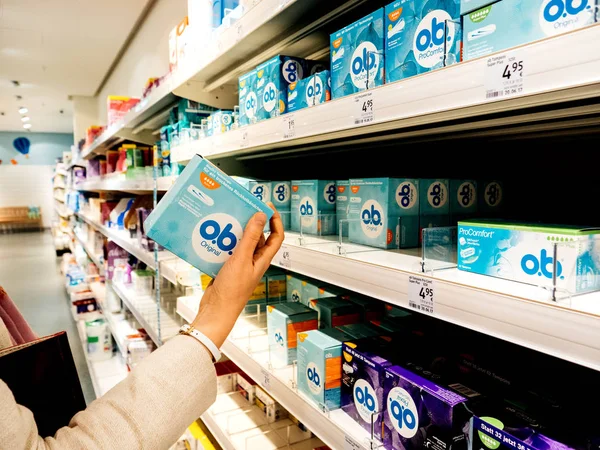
(150, 409)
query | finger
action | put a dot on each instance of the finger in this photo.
(262, 241)
(252, 235)
(265, 254)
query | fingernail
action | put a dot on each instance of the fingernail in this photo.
(261, 218)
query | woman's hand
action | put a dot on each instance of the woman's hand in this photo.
(228, 293)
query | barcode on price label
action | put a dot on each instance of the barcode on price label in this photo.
(421, 294)
(266, 378)
(364, 109)
(505, 75)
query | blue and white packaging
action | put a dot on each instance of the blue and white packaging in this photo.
(284, 322)
(221, 8)
(357, 56)
(510, 23)
(363, 375)
(463, 200)
(384, 212)
(221, 121)
(261, 190)
(434, 203)
(313, 206)
(202, 217)
(466, 6)
(281, 196)
(490, 198)
(294, 288)
(524, 253)
(273, 78)
(248, 100)
(342, 205)
(421, 36)
(320, 368)
(311, 91)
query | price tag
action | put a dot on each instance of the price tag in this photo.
(239, 33)
(266, 379)
(351, 444)
(286, 258)
(505, 76)
(364, 109)
(421, 294)
(245, 140)
(289, 126)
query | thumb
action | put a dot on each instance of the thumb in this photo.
(252, 234)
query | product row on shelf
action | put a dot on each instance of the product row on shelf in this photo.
(380, 48)
(332, 323)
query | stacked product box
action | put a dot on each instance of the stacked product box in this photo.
(273, 79)
(294, 288)
(490, 198)
(357, 56)
(320, 368)
(311, 91)
(525, 253)
(284, 322)
(248, 99)
(496, 26)
(434, 204)
(281, 196)
(335, 312)
(463, 200)
(342, 205)
(420, 37)
(313, 207)
(384, 212)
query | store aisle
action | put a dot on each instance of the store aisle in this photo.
(29, 273)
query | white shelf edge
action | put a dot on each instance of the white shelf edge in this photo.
(314, 419)
(95, 258)
(122, 293)
(108, 316)
(123, 242)
(443, 94)
(219, 435)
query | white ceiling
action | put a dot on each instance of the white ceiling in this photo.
(57, 48)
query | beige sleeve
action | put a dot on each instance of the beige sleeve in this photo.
(150, 409)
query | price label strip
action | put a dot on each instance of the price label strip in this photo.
(266, 378)
(289, 126)
(286, 258)
(505, 76)
(364, 109)
(245, 141)
(421, 294)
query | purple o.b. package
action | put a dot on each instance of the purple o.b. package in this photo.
(421, 414)
(363, 373)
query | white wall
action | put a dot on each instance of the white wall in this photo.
(147, 55)
(28, 185)
(85, 115)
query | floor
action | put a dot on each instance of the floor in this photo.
(29, 273)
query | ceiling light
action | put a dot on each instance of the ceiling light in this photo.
(27, 126)
(25, 119)
(23, 110)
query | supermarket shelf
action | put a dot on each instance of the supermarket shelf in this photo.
(265, 30)
(252, 356)
(239, 425)
(61, 200)
(121, 238)
(456, 93)
(121, 183)
(61, 213)
(99, 290)
(144, 309)
(96, 259)
(516, 312)
(170, 265)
